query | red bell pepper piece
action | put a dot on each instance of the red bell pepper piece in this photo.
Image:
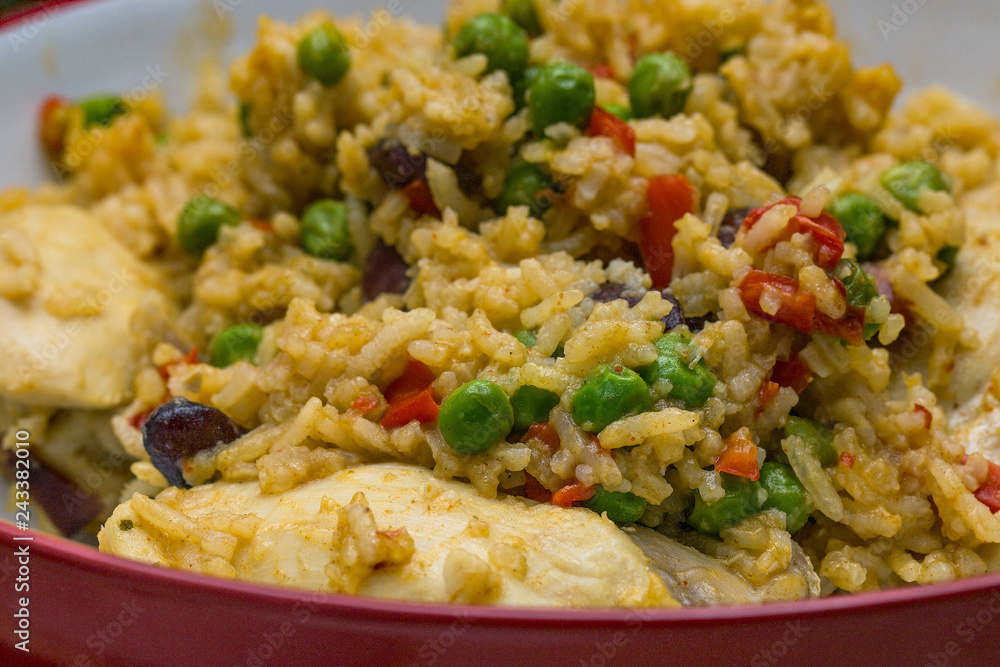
(544, 433)
(850, 327)
(533, 490)
(602, 70)
(415, 378)
(925, 413)
(766, 394)
(988, 492)
(793, 373)
(739, 456)
(605, 124)
(825, 229)
(419, 406)
(670, 197)
(52, 119)
(847, 459)
(410, 396)
(262, 225)
(797, 308)
(190, 358)
(572, 493)
(364, 403)
(418, 193)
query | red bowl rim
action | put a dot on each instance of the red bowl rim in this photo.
(76, 555)
(24, 14)
(79, 556)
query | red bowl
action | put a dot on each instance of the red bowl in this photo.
(88, 608)
(71, 605)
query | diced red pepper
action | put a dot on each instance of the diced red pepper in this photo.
(544, 433)
(410, 396)
(52, 120)
(390, 534)
(847, 459)
(925, 413)
(605, 124)
(825, 229)
(533, 490)
(190, 358)
(793, 373)
(797, 308)
(364, 403)
(670, 197)
(572, 493)
(419, 195)
(139, 419)
(739, 456)
(415, 378)
(988, 492)
(262, 225)
(602, 71)
(766, 394)
(850, 327)
(420, 407)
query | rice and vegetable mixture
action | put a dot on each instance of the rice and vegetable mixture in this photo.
(671, 266)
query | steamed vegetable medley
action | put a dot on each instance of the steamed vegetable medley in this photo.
(562, 304)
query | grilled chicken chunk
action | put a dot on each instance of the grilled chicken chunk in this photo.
(68, 295)
(462, 547)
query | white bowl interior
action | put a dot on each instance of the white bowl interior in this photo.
(125, 45)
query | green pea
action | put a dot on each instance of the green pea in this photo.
(245, 109)
(475, 417)
(862, 220)
(200, 221)
(948, 256)
(731, 52)
(562, 93)
(608, 394)
(671, 376)
(620, 507)
(523, 13)
(743, 500)
(325, 232)
(786, 493)
(237, 343)
(817, 436)
(324, 56)
(498, 38)
(861, 289)
(522, 85)
(619, 110)
(101, 109)
(531, 405)
(659, 84)
(906, 181)
(528, 338)
(526, 185)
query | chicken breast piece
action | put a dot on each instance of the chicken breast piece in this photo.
(973, 289)
(428, 540)
(68, 295)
